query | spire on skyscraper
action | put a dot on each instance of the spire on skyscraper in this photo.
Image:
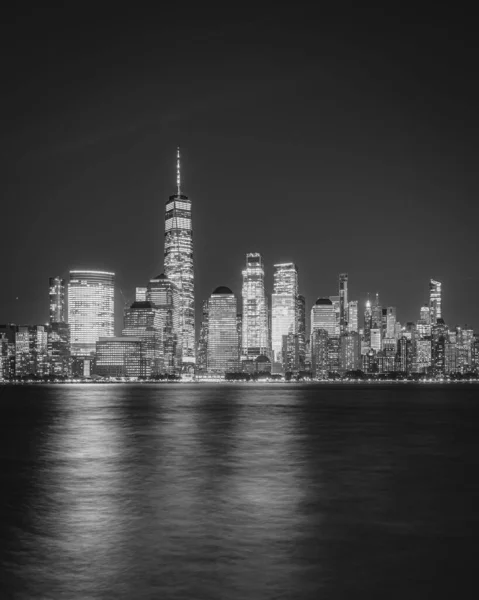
(178, 174)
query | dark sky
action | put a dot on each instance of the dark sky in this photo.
(342, 144)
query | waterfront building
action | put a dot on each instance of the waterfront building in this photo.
(350, 352)
(290, 353)
(439, 337)
(255, 309)
(7, 349)
(222, 351)
(319, 353)
(58, 349)
(404, 358)
(323, 316)
(31, 351)
(119, 357)
(301, 312)
(284, 308)
(334, 357)
(353, 323)
(164, 296)
(90, 309)
(475, 354)
(422, 357)
(450, 362)
(343, 303)
(143, 321)
(435, 300)
(57, 299)
(202, 353)
(179, 267)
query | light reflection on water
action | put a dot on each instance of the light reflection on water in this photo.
(183, 491)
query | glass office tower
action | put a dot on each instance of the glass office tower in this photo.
(435, 300)
(90, 309)
(254, 338)
(57, 299)
(284, 308)
(179, 266)
(222, 353)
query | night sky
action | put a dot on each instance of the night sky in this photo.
(344, 145)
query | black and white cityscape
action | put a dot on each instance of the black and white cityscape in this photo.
(248, 335)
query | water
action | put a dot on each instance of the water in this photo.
(238, 491)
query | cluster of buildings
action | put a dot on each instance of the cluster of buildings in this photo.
(263, 336)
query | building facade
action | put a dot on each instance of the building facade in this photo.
(57, 300)
(284, 309)
(143, 321)
(119, 357)
(91, 314)
(255, 335)
(222, 348)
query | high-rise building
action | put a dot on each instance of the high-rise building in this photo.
(179, 266)
(91, 312)
(343, 303)
(422, 355)
(337, 310)
(323, 316)
(254, 337)
(353, 324)
(202, 354)
(7, 349)
(284, 308)
(367, 323)
(143, 321)
(119, 357)
(222, 353)
(59, 350)
(390, 321)
(140, 294)
(438, 350)
(435, 300)
(57, 300)
(376, 314)
(376, 339)
(301, 312)
(164, 296)
(350, 352)
(31, 351)
(319, 354)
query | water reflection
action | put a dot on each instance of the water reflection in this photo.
(233, 491)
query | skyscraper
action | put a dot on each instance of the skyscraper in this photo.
(343, 303)
(143, 321)
(57, 300)
(255, 310)
(222, 353)
(435, 300)
(179, 265)
(164, 296)
(353, 325)
(367, 323)
(202, 354)
(90, 309)
(323, 316)
(390, 322)
(284, 308)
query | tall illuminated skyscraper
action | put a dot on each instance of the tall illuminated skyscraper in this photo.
(343, 303)
(353, 325)
(57, 300)
(91, 313)
(255, 310)
(143, 321)
(223, 350)
(284, 307)
(435, 300)
(179, 265)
